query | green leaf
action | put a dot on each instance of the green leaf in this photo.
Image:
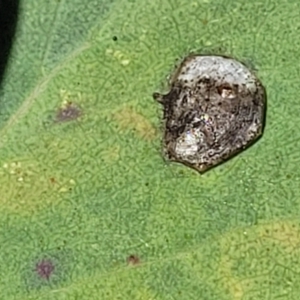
(86, 196)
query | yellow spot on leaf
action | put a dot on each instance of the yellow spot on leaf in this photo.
(27, 187)
(125, 62)
(111, 154)
(255, 247)
(68, 97)
(72, 181)
(119, 56)
(129, 119)
(109, 51)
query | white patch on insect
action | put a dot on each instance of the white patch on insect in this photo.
(229, 70)
(187, 144)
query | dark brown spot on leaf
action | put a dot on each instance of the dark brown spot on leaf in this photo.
(68, 112)
(133, 260)
(44, 269)
(51, 269)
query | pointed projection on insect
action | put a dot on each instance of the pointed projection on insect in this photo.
(214, 110)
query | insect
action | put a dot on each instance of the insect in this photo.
(215, 109)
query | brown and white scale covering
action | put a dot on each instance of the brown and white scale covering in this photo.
(215, 109)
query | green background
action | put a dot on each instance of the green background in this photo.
(89, 193)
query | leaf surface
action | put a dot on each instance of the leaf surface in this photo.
(84, 188)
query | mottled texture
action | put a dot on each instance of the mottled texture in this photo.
(215, 109)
